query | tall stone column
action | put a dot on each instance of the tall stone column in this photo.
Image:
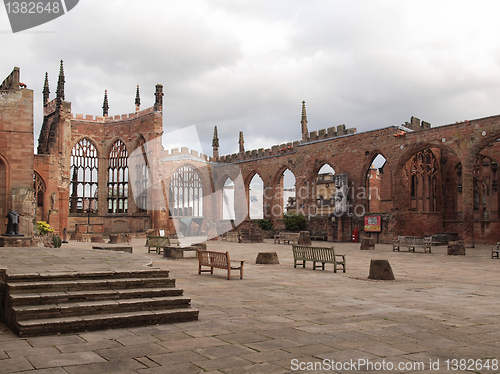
(468, 203)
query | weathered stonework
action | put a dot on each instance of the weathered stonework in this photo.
(434, 180)
(16, 153)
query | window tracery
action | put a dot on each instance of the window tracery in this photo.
(118, 178)
(84, 177)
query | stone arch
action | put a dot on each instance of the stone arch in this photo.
(424, 177)
(475, 222)
(139, 141)
(323, 187)
(255, 196)
(378, 184)
(84, 176)
(228, 199)
(401, 174)
(284, 197)
(412, 150)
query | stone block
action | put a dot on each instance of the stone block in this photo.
(380, 270)
(304, 238)
(267, 258)
(456, 248)
(367, 244)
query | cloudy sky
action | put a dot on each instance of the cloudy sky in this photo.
(246, 65)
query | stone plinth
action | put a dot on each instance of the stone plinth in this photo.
(15, 241)
(304, 238)
(97, 239)
(380, 270)
(177, 252)
(267, 258)
(119, 238)
(456, 248)
(367, 243)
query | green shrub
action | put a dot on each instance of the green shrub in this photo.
(294, 221)
(265, 224)
(56, 241)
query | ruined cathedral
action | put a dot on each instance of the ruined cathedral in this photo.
(429, 180)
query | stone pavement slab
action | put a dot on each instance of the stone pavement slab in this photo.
(439, 307)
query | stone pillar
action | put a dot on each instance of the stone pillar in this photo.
(468, 204)
(268, 199)
(23, 202)
(102, 182)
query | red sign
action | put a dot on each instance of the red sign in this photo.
(373, 223)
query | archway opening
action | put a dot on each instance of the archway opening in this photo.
(325, 191)
(256, 198)
(379, 186)
(286, 191)
(228, 200)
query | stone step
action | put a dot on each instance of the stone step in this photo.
(31, 312)
(41, 304)
(103, 321)
(41, 286)
(150, 273)
(90, 295)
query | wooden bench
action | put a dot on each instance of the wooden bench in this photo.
(495, 251)
(230, 236)
(318, 236)
(302, 253)
(157, 243)
(286, 237)
(219, 260)
(412, 242)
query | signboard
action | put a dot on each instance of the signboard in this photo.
(373, 223)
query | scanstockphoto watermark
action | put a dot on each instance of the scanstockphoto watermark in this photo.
(365, 365)
(24, 15)
(206, 198)
(179, 181)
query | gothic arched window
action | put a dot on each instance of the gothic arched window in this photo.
(118, 178)
(485, 187)
(84, 174)
(141, 179)
(39, 187)
(186, 193)
(424, 181)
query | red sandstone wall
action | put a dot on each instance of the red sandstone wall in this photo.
(16, 156)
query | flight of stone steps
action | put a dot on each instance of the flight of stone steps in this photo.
(46, 304)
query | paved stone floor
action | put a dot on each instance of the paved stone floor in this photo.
(440, 310)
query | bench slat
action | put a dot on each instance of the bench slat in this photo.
(219, 260)
(412, 242)
(318, 255)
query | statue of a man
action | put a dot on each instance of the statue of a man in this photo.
(13, 224)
